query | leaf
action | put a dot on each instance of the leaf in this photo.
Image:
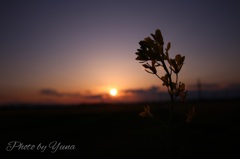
(146, 112)
(159, 37)
(142, 58)
(182, 95)
(152, 68)
(173, 65)
(168, 46)
(165, 80)
(149, 41)
(142, 114)
(149, 71)
(160, 49)
(179, 59)
(154, 37)
(146, 65)
(181, 86)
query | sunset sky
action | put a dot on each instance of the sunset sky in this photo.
(70, 51)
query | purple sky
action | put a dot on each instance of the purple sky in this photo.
(84, 48)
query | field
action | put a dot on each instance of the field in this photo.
(117, 131)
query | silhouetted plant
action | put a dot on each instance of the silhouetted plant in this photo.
(152, 55)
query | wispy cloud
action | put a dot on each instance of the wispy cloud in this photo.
(151, 90)
(205, 86)
(98, 96)
(214, 86)
(151, 94)
(55, 93)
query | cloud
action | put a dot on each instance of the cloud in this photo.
(151, 94)
(53, 92)
(234, 86)
(99, 96)
(205, 86)
(50, 92)
(151, 90)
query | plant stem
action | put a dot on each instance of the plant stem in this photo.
(176, 78)
(171, 89)
(168, 135)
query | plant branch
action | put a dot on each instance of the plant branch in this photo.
(158, 76)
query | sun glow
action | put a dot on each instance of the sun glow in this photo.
(113, 92)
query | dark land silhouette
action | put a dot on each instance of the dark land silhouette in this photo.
(117, 131)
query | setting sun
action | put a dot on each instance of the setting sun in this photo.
(113, 92)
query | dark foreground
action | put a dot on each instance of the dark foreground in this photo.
(116, 131)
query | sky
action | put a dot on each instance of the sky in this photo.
(72, 51)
